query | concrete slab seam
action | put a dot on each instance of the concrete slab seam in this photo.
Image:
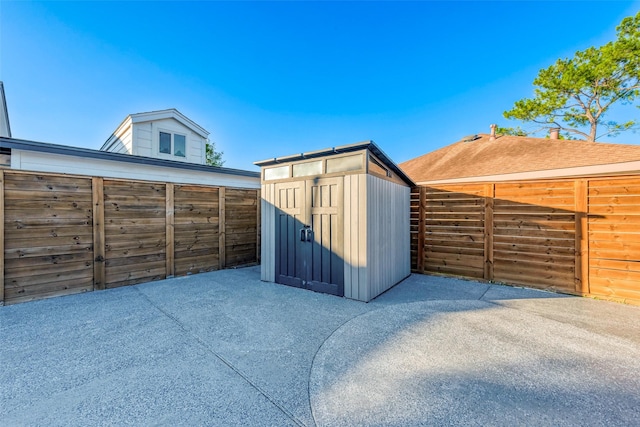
(222, 359)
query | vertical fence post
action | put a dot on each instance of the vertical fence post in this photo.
(97, 194)
(222, 237)
(581, 268)
(258, 225)
(422, 201)
(169, 230)
(489, 195)
(1, 237)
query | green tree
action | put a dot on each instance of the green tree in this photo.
(213, 157)
(515, 131)
(574, 94)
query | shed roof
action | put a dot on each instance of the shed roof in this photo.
(514, 154)
(369, 145)
(43, 147)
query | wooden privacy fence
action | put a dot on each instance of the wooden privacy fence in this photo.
(577, 236)
(66, 234)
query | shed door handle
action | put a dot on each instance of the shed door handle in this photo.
(303, 234)
(309, 234)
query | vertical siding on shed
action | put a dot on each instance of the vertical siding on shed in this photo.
(388, 249)
(355, 237)
(268, 225)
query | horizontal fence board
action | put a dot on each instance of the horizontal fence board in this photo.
(533, 236)
(50, 236)
(534, 257)
(118, 276)
(610, 209)
(136, 281)
(135, 260)
(55, 259)
(48, 290)
(454, 270)
(616, 264)
(48, 269)
(534, 232)
(535, 249)
(42, 280)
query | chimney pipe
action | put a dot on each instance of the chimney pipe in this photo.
(554, 133)
(492, 137)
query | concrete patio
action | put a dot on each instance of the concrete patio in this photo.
(224, 348)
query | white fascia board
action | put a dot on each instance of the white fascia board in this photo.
(622, 168)
(65, 164)
(171, 113)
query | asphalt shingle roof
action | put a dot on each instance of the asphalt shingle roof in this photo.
(513, 154)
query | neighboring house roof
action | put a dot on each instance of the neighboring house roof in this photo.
(5, 128)
(369, 145)
(43, 147)
(150, 116)
(514, 157)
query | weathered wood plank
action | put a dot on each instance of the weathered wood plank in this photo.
(523, 247)
(42, 281)
(454, 270)
(535, 241)
(49, 290)
(169, 230)
(98, 234)
(433, 258)
(155, 271)
(222, 234)
(135, 281)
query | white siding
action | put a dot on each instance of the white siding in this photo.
(194, 152)
(57, 163)
(143, 139)
(268, 227)
(388, 246)
(355, 238)
(147, 136)
(120, 142)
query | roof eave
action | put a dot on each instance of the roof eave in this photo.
(44, 147)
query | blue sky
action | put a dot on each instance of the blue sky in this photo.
(276, 78)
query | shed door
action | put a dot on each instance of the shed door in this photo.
(290, 219)
(309, 235)
(326, 269)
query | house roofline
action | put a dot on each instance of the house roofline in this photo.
(149, 116)
(5, 111)
(607, 169)
(168, 114)
(44, 147)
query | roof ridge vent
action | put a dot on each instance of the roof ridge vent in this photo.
(470, 138)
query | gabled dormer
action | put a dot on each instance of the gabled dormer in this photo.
(165, 134)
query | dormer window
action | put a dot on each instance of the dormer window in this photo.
(172, 143)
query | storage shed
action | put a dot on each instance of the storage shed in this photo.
(336, 221)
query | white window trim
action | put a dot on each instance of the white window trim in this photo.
(170, 155)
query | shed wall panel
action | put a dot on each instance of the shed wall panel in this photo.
(355, 237)
(268, 225)
(388, 250)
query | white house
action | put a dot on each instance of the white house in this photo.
(165, 134)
